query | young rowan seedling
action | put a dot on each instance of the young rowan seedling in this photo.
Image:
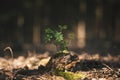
(57, 38)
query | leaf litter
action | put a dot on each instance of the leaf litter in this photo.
(34, 67)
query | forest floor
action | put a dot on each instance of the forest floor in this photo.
(91, 66)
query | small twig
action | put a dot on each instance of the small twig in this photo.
(107, 66)
(11, 51)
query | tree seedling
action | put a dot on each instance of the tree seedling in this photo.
(58, 62)
(57, 38)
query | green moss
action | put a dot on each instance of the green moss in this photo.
(71, 76)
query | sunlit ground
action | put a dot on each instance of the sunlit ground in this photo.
(88, 66)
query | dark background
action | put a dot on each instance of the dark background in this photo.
(22, 23)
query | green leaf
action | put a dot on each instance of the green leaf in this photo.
(48, 30)
(48, 37)
(59, 36)
(64, 26)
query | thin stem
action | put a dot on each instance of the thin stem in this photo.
(107, 66)
(11, 51)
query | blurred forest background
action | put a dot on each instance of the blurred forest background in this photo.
(95, 23)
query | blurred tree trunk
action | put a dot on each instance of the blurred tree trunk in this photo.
(19, 32)
(81, 27)
(36, 24)
(116, 20)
